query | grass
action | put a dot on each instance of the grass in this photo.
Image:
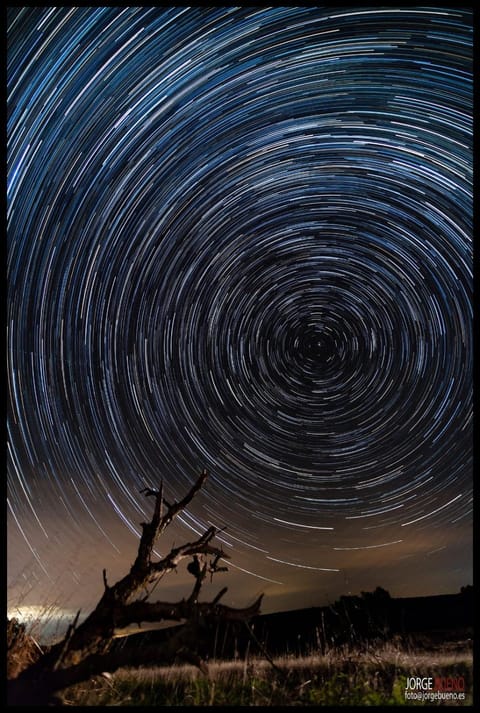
(370, 677)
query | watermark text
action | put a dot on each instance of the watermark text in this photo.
(435, 688)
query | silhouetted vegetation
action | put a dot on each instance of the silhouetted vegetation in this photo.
(87, 648)
(361, 648)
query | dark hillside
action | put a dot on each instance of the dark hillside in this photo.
(351, 620)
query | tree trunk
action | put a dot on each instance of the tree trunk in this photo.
(85, 650)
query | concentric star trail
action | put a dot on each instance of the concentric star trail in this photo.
(240, 238)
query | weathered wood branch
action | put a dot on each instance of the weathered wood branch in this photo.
(214, 568)
(222, 593)
(182, 504)
(189, 549)
(150, 532)
(140, 611)
(199, 571)
(160, 521)
(35, 686)
(38, 690)
(86, 649)
(98, 628)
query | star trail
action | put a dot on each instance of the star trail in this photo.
(240, 238)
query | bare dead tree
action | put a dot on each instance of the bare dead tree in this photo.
(86, 649)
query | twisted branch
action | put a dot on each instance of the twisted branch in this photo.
(85, 649)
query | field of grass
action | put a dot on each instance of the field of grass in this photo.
(364, 678)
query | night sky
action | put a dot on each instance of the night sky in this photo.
(240, 238)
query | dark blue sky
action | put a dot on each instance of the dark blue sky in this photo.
(241, 239)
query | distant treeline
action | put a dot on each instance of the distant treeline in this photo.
(350, 620)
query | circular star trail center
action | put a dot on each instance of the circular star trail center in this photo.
(240, 239)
